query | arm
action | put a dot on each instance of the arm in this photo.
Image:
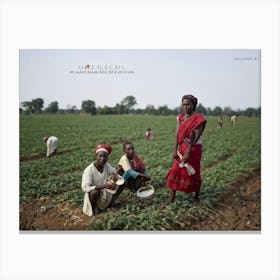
(174, 154)
(87, 181)
(111, 184)
(48, 149)
(124, 163)
(89, 185)
(112, 178)
(145, 176)
(111, 171)
(197, 133)
(134, 174)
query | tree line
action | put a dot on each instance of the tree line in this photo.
(127, 106)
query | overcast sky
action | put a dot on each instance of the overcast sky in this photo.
(158, 77)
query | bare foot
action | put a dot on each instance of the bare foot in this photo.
(167, 202)
(196, 202)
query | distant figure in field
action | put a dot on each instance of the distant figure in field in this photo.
(233, 119)
(132, 168)
(149, 134)
(51, 145)
(220, 121)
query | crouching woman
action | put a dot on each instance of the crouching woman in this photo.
(97, 178)
(132, 168)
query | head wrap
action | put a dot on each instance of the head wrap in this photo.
(45, 138)
(104, 148)
(191, 98)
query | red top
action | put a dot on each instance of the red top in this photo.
(186, 127)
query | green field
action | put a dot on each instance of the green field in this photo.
(229, 154)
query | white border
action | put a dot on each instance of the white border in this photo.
(154, 24)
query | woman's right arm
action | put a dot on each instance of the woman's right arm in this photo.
(87, 182)
(87, 187)
(48, 149)
(109, 185)
(174, 154)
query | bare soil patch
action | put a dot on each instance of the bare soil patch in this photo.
(41, 214)
(238, 209)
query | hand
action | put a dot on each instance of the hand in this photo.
(114, 177)
(145, 176)
(186, 157)
(111, 185)
(174, 154)
(119, 170)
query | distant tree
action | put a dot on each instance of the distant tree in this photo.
(88, 106)
(209, 111)
(129, 102)
(238, 112)
(139, 111)
(217, 111)
(37, 104)
(163, 110)
(71, 109)
(106, 110)
(251, 112)
(228, 111)
(177, 110)
(150, 109)
(53, 107)
(201, 109)
(27, 106)
(119, 109)
(33, 106)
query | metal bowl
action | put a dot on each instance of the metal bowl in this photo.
(119, 182)
(146, 192)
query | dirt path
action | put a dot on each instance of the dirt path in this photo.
(238, 209)
(43, 155)
(41, 214)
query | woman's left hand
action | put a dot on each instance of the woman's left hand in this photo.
(114, 177)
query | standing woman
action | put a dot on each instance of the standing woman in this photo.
(187, 152)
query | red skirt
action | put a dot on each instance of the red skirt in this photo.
(178, 178)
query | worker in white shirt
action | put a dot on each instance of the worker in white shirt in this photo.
(233, 120)
(98, 181)
(51, 145)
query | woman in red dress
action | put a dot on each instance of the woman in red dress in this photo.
(184, 175)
